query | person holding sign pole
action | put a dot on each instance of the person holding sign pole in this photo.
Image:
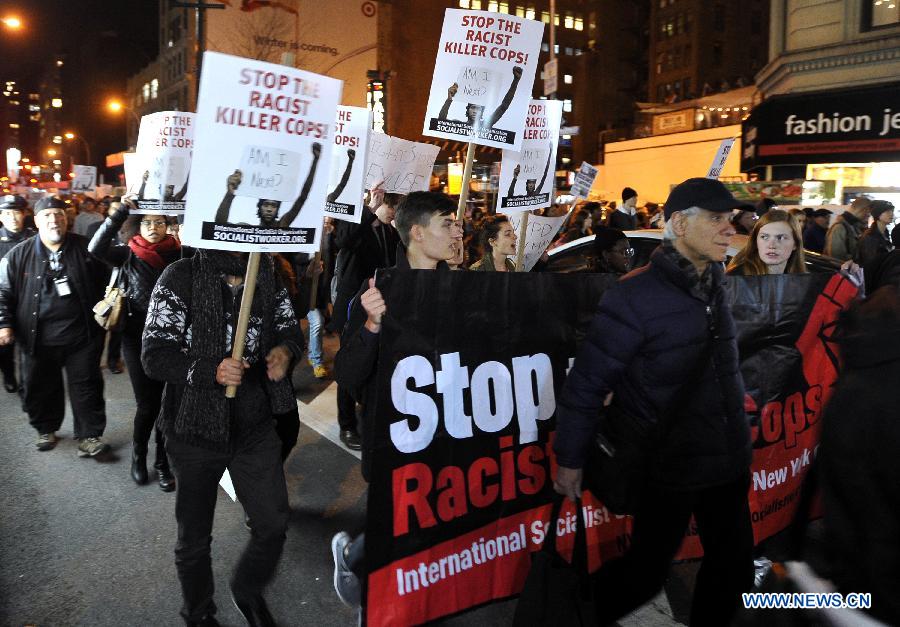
(187, 344)
(267, 209)
(431, 236)
(474, 112)
(498, 240)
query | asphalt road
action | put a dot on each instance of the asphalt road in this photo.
(81, 544)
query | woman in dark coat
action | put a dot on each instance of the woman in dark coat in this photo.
(146, 253)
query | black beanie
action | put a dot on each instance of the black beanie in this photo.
(880, 206)
(605, 238)
(628, 193)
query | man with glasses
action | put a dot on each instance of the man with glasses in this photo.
(48, 286)
(614, 254)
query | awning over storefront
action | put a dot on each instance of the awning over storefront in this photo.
(849, 126)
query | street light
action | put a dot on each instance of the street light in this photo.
(12, 22)
(87, 149)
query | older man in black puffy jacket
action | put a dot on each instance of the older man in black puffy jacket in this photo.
(657, 328)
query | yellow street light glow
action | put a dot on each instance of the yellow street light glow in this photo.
(12, 22)
(51, 152)
(69, 135)
(114, 105)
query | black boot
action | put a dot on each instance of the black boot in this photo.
(166, 478)
(139, 465)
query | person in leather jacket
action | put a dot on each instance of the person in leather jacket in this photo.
(142, 259)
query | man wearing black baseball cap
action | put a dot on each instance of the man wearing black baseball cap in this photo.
(48, 287)
(662, 351)
(816, 230)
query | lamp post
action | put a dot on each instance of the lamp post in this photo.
(87, 149)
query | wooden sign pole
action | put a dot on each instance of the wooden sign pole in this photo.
(466, 178)
(240, 330)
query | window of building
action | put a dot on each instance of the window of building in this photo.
(145, 92)
(545, 17)
(660, 58)
(881, 14)
(556, 48)
(717, 53)
(719, 17)
(567, 105)
(154, 88)
(56, 103)
(498, 7)
(567, 79)
(569, 21)
(545, 47)
(529, 13)
(520, 11)
(578, 52)
(569, 51)
(579, 23)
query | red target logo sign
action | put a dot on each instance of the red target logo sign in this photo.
(368, 8)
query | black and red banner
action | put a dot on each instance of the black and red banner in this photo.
(469, 370)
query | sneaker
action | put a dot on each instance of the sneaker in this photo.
(91, 447)
(320, 372)
(346, 584)
(46, 441)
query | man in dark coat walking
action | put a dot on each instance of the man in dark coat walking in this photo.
(662, 346)
(364, 248)
(13, 231)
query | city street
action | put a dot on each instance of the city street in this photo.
(83, 545)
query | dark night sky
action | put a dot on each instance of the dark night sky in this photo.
(104, 41)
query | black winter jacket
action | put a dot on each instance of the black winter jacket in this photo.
(860, 471)
(140, 276)
(356, 361)
(8, 239)
(647, 335)
(22, 273)
(360, 255)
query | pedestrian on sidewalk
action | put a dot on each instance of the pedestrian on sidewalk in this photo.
(13, 231)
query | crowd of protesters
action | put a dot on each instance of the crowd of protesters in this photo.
(180, 314)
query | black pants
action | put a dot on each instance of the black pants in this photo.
(147, 394)
(723, 522)
(7, 362)
(346, 410)
(287, 426)
(114, 348)
(43, 397)
(258, 478)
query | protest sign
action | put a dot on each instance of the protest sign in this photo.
(164, 147)
(277, 123)
(348, 160)
(483, 75)
(527, 176)
(401, 166)
(721, 157)
(584, 180)
(461, 471)
(539, 233)
(85, 179)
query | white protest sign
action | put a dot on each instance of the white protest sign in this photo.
(527, 177)
(715, 170)
(164, 147)
(400, 165)
(584, 180)
(269, 173)
(134, 171)
(85, 179)
(346, 184)
(478, 85)
(228, 485)
(539, 234)
(495, 56)
(267, 119)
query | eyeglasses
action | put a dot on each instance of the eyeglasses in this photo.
(625, 252)
(153, 223)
